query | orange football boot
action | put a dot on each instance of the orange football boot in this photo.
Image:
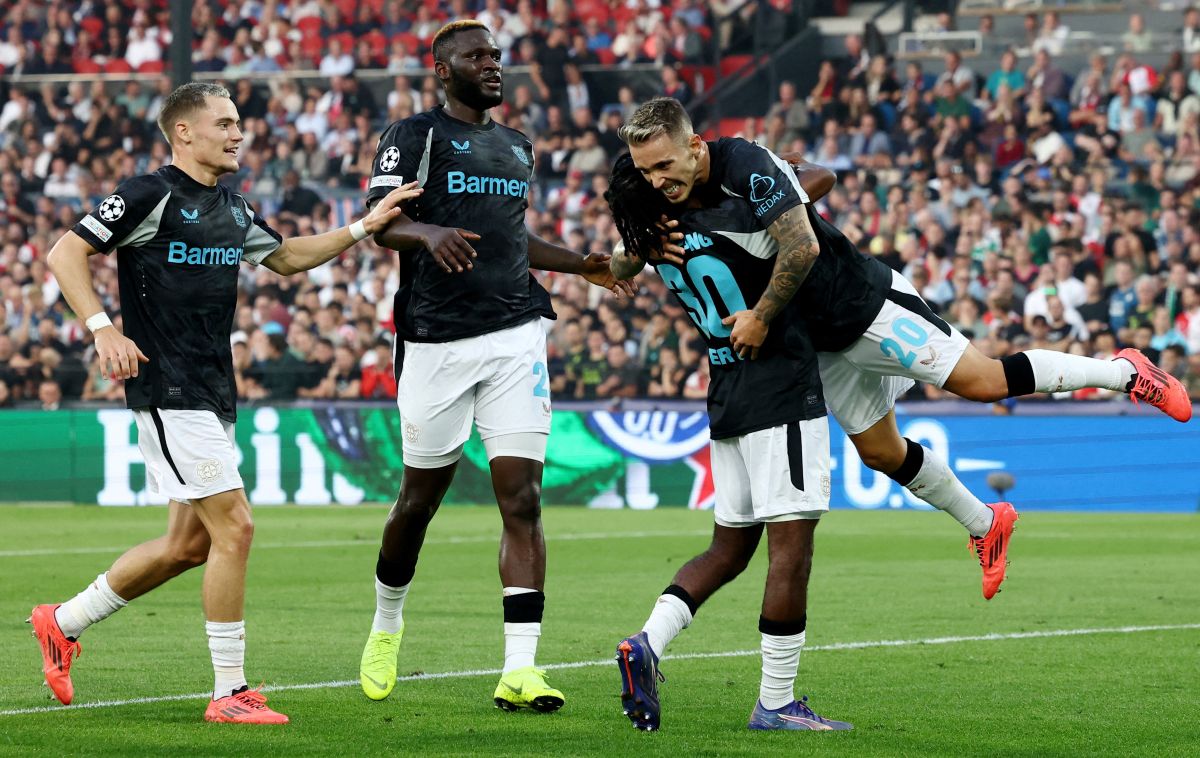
(1157, 387)
(57, 652)
(244, 707)
(992, 548)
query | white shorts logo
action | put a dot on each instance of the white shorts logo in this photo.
(411, 432)
(390, 159)
(102, 232)
(826, 486)
(207, 471)
(112, 208)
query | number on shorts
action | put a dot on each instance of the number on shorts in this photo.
(540, 389)
(910, 332)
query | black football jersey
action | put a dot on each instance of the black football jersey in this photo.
(476, 177)
(179, 244)
(845, 289)
(728, 263)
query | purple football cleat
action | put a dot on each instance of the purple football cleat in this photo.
(639, 681)
(794, 715)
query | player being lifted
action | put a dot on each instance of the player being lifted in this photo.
(874, 332)
(474, 348)
(179, 238)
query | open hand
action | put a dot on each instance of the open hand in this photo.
(387, 209)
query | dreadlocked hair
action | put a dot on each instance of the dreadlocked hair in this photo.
(637, 208)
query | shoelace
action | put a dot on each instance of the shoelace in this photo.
(252, 699)
(1147, 390)
(803, 703)
(976, 545)
(382, 655)
(67, 650)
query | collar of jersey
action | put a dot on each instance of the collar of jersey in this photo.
(491, 124)
(186, 178)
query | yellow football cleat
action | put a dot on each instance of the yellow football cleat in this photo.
(377, 671)
(527, 688)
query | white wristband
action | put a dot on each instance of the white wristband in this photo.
(97, 321)
(358, 231)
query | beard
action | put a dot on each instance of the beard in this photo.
(472, 94)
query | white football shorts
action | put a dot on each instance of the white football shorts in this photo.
(776, 474)
(907, 341)
(499, 381)
(189, 454)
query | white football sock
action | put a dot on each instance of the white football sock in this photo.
(227, 644)
(520, 645)
(780, 661)
(96, 603)
(669, 617)
(520, 639)
(1062, 372)
(389, 607)
(937, 485)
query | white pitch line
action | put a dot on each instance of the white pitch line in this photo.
(835, 646)
(354, 543)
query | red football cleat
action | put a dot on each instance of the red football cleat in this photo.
(1157, 387)
(992, 548)
(245, 707)
(57, 652)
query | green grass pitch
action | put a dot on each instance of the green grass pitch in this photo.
(878, 576)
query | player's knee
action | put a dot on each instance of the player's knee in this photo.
(236, 534)
(522, 503)
(189, 555)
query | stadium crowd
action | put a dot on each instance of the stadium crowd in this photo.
(1033, 207)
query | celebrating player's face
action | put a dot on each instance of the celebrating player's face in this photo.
(474, 71)
(669, 166)
(216, 133)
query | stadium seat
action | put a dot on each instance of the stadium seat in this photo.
(310, 26)
(606, 56)
(151, 67)
(378, 43)
(118, 66)
(87, 67)
(312, 48)
(93, 26)
(734, 64)
(730, 125)
(347, 40)
(707, 76)
(411, 43)
(348, 8)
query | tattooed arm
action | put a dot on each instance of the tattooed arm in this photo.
(798, 250)
(623, 265)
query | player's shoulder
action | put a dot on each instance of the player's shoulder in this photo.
(418, 123)
(515, 135)
(157, 182)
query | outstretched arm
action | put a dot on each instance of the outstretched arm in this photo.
(798, 250)
(303, 253)
(592, 267)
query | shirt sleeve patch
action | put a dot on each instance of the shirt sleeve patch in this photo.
(386, 181)
(102, 232)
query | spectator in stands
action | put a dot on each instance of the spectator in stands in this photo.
(674, 86)
(793, 111)
(868, 142)
(854, 63)
(687, 46)
(1007, 74)
(50, 395)
(1047, 78)
(208, 58)
(336, 62)
(1137, 39)
(957, 74)
(546, 70)
(1052, 35)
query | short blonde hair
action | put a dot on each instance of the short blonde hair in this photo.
(662, 115)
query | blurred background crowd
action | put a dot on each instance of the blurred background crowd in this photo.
(1033, 202)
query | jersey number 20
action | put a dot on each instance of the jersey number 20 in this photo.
(716, 296)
